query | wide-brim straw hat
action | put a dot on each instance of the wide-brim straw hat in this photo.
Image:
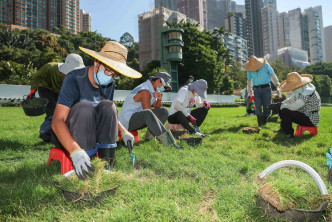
(254, 64)
(114, 55)
(295, 81)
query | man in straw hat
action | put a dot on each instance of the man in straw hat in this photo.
(48, 81)
(136, 112)
(303, 106)
(188, 97)
(259, 76)
(85, 119)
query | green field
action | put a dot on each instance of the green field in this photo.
(215, 181)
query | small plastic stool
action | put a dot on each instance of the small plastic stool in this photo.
(134, 133)
(174, 127)
(301, 129)
(63, 157)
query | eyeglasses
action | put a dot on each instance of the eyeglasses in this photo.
(110, 72)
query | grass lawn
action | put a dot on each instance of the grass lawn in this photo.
(215, 181)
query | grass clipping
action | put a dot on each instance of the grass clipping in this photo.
(100, 181)
(289, 192)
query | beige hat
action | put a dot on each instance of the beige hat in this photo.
(254, 64)
(294, 81)
(114, 55)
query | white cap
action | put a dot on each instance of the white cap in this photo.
(73, 61)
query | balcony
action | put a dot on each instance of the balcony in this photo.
(174, 57)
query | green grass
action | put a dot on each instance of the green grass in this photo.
(215, 181)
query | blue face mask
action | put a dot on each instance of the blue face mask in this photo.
(102, 79)
(161, 89)
(191, 81)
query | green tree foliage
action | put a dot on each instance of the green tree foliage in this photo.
(238, 75)
(319, 68)
(227, 86)
(203, 55)
(127, 39)
(322, 84)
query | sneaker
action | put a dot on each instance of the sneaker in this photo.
(198, 129)
(199, 134)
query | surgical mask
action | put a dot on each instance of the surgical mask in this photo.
(161, 89)
(102, 79)
(191, 81)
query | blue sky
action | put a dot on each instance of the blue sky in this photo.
(112, 18)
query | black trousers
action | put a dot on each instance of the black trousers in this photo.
(288, 117)
(89, 125)
(52, 98)
(180, 118)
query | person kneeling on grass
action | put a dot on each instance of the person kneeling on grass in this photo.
(303, 106)
(188, 96)
(136, 112)
(85, 119)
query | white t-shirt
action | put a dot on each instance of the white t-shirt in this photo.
(184, 101)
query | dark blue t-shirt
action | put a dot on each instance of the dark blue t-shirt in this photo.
(77, 87)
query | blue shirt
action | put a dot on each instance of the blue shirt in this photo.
(262, 76)
(77, 87)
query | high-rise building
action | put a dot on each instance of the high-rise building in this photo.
(283, 30)
(254, 28)
(270, 29)
(149, 26)
(194, 9)
(241, 9)
(170, 4)
(328, 43)
(70, 15)
(315, 34)
(235, 24)
(41, 14)
(35, 14)
(295, 28)
(85, 21)
(216, 15)
(237, 47)
(270, 2)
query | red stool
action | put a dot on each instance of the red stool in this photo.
(63, 157)
(135, 134)
(301, 129)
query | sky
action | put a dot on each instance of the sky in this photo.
(113, 18)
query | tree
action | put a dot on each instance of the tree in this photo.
(127, 39)
(227, 86)
(319, 68)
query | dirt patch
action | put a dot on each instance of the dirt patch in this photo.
(206, 205)
(272, 197)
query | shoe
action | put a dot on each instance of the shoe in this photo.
(289, 136)
(168, 139)
(149, 135)
(198, 129)
(199, 134)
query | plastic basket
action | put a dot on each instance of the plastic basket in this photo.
(34, 106)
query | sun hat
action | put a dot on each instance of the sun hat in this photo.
(73, 61)
(165, 78)
(200, 86)
(295, 81)
(191, 77)
(254, 64)
(114, 55)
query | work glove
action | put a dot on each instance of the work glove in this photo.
(206, 105)
(32, 93)
(82, 164)
(191, 119)
(126, 136)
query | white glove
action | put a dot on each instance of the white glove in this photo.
(126, 136)
(82, 164)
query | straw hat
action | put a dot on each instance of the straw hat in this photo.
(294, 81)
(254, 64)
(114, 55)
